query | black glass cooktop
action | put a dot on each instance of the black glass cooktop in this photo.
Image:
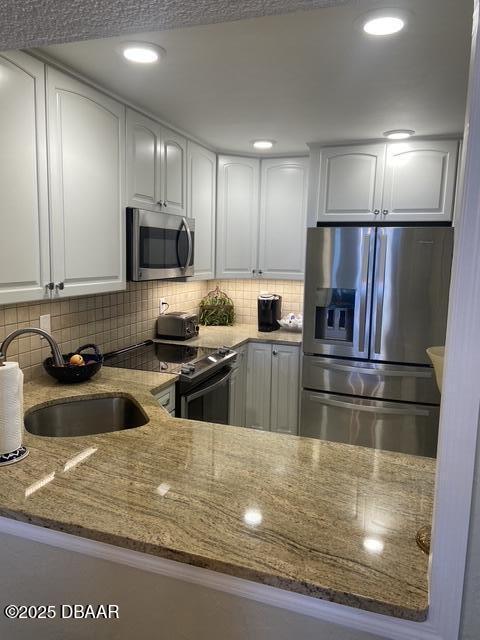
(156, 356)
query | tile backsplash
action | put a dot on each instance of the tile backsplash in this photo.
(244, 294)
(120, 319)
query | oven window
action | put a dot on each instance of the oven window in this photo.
(163, 248)
(209, 402)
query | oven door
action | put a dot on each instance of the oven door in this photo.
(209, 401)
(160, 245)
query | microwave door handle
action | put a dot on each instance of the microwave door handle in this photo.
(190, 244)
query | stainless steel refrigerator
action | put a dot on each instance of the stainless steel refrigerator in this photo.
(375, 299)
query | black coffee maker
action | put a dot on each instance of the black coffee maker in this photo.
(269, 311)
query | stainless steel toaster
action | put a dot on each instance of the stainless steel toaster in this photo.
(177, 325)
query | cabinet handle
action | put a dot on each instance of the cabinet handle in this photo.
(164, 203)
(260, 272)
(254, 271)
(274, 352)
(376, 212)
(160, 203)
(60, 286)
(50, 286)
(385, 211)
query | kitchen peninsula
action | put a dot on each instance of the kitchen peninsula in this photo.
(158, 488)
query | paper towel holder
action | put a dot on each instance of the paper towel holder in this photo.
(21, 452)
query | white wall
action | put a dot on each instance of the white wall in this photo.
(152, 607)
(470, 628)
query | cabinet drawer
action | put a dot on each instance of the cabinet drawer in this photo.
(392, 426)
(166, 399)
(391, 382)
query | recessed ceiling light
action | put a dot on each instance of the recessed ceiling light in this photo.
(142, 52)
(399, 134)
(253, 517)
(383, 25)
(263, 144)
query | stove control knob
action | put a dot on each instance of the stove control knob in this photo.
(185, 369)
(223, 351)
(191, 367)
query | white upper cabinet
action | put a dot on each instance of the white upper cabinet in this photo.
(24, 242)
(283, 211)
(402, 181)
(237, 216)
(143, 161)
(420, 180)
(201, 205)
(350, 183)
(174, 172)
(261, 217)
(86, 141)
(156, 166)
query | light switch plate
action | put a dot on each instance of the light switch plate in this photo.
(45, 323)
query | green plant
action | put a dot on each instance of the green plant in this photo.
(216, 309)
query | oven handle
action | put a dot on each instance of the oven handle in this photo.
(204, 390)
(190, 244)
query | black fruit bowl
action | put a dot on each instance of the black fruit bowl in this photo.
(70, 374)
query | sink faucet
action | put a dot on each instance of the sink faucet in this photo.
(56, 353)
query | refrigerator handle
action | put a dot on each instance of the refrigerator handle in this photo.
(363, 300)
(380, 287)
(374, 407)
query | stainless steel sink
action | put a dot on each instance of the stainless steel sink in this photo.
(85, 416)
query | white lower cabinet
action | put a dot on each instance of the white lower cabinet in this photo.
(273, 383)
(238, 380)
(166, 399)
(285, 388)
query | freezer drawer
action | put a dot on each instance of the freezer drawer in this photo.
(371, 379)
(392, 426)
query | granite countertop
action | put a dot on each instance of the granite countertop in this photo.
(328, 520)
(239, 334)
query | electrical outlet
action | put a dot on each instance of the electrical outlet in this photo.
(163, 306)
(45, 323)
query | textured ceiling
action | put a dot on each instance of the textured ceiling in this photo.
(297, 78)
(30, 23)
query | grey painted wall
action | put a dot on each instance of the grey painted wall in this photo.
(30, 23)
(152, 607)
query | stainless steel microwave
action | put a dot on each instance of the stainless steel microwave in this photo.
(159, 245)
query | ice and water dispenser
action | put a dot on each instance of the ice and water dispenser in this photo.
(334, 314)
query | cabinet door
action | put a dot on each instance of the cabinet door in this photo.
(420, 180)
(86, 141)
(174, 172)
(283, 218)
(143, 162)
(201, 205)
(237, 216)
(351, 182)
(285, 388)
(259, 373)
(24, 243)
(238, 389)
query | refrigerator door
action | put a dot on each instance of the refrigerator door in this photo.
(338, 291)
(371, 379)
(410, 296)
(392, 426)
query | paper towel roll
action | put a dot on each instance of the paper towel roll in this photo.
(11, 407)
